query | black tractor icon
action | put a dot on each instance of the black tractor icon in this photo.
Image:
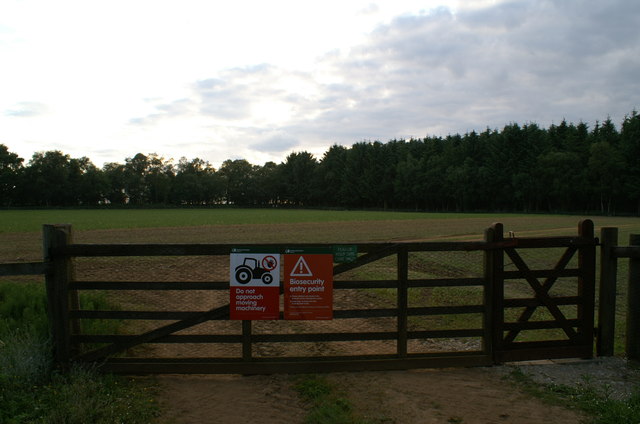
(250, 270)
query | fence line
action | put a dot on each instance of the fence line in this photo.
(71, 343)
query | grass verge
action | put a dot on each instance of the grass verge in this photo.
(32, 391)
(599, 405)
(328, 404)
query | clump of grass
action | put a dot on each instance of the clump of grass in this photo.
(328, 405)
(598, 404)
(23, 306)
(32, 391)
(601, 406)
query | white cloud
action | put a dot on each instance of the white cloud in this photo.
(257, 79)
(27, 110)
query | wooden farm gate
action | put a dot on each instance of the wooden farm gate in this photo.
(396, 306)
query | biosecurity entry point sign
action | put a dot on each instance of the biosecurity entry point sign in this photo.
(254, 284)
(308, 284)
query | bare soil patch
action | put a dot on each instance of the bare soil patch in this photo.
(233, 399)
(470, 396)
(462, 395)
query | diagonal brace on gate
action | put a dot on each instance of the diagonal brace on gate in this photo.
(149, 336)
(542, 292)
(370, 257)
(216, 313)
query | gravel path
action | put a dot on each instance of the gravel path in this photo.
(612, 376)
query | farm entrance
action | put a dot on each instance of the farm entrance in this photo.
(396, 306)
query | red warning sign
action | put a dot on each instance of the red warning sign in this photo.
(308, 284)
(254, 284)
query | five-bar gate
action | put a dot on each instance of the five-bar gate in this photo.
(397, 306)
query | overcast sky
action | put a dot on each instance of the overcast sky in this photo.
(260, 79)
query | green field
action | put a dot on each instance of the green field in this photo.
(100, 219)
(17, 221)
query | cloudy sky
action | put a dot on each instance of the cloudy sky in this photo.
(260, 79)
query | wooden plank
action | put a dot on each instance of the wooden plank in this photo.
(177, 338)
(607, 294)
(495, 276)
(293, 367)
(632, 344)
(626, 252)
(279, 338)
(174, 249)
(531, 302)
(587, 286)
(402, 300)
(338, 314)
(546, 242)
(537, 325)
(543, 273)
(488, 323)
(224, 285)
(324, 337)
(92, 250)
(101, 353)
(271, 359)
(149, 285)
(57, 282)
(142, 315)
(23, 268)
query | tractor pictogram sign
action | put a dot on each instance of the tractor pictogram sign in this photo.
(250, 270)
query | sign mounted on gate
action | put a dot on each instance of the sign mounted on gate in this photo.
(308, 284)
(345, 253)
(254, 284)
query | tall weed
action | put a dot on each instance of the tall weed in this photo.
(31, 391)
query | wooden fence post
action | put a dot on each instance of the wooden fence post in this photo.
(607, 298)
(587, 286)
(403, 300)
(633, 308)
(494, 292)
(57, 281)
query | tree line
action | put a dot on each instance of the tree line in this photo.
(562, 168)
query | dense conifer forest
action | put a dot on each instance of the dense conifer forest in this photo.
(563, 168)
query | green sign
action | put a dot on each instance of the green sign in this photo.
(345, 253)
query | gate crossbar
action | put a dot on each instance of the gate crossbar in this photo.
(542, 292)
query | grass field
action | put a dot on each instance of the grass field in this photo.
(99, 219)
(322, 225)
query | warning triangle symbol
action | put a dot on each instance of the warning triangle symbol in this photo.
(301, 269)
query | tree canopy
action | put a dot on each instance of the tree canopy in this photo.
(563, 168)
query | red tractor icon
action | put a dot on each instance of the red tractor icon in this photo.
(251, 270)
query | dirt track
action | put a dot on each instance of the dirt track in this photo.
(470, 396)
